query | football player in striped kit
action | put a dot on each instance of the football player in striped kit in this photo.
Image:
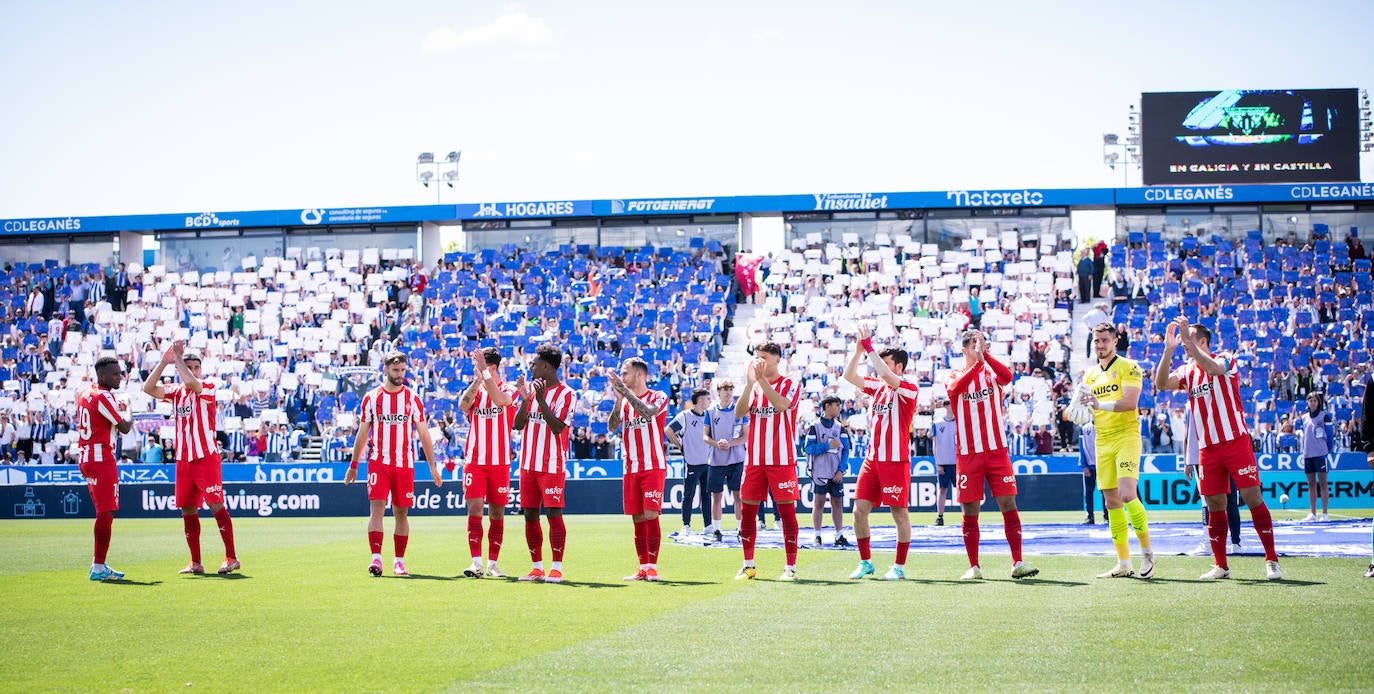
(489, 406)
(546, 405)
(981, 450)
(390, 415)
(1225, 451)
(643, 413)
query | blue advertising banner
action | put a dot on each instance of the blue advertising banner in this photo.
(1300, 192)
(311, 216)
(511, 210)
(1347, 489)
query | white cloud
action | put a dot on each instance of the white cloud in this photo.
(514, 27)
(766, 36)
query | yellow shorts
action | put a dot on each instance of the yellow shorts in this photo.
(1118, 456)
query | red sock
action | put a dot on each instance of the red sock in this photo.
(226, 532)
(654, 531)
(1264, 525)
(475, 535)
(789, 531)
(748, 530)
(191, 524)
(1216, 534)
(534, 537)
(399, 542)
(374, 541)
(865, 549)
(1011, 525)
(641, 541)
(103, 523)
(902, 548)
(494, 537)
(558, 537)
(971, 539)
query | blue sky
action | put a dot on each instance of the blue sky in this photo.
(118, 108)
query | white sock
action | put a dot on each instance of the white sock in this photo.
(538, 565)
(477, 561)
(556, 566)
(749, 564)
(791, 567)
(491, 563)
(376, 557)
(1124, 563)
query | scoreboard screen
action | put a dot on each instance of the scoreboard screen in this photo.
(1250, 136)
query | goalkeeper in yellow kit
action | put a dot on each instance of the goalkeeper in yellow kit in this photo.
(1113, 386)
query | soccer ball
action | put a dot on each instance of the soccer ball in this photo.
(1283, 498)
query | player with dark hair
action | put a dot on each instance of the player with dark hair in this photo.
(198, 474)
(389, 417)
(827, 447)
(982, 456)
(98, 416)
(545, 408)
(1113, 385)
(770, 401)
(644, 414)
(490, 408)
(885, 476)
(688, 432)
(1225, 451)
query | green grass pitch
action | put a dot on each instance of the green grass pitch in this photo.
(305, 616)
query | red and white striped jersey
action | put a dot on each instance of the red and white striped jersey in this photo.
(773, 434)
(489, 428)
(95, 420)
(540, 449)
(890, 420)
(977, 408)
(1215, 401)
(641, 438)
(390, 416)
(195, 420)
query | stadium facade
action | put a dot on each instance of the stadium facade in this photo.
(206, 240)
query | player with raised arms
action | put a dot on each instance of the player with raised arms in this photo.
(981, 450)
(885, 476)
(770, 401)
(198, 474)
(1225, 451)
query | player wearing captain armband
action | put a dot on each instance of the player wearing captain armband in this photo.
(1113, 389)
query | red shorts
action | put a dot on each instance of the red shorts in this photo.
(1219, 462)
(541, 489)
(391, 482)
(994, 466)
(884, 484)
(761, 480)
(490, 482)
(102, 480)
(643, 491)
(199, 481)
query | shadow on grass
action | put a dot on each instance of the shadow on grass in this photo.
(1045, 582)
(426, 577)
(1281, 582)
(667, 582)
(586, 584)
(127, 582)
(220, 576)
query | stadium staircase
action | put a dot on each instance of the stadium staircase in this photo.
(1082, 357)
(734, 356)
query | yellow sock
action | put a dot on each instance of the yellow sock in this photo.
(1136, 510)
(1116, 518)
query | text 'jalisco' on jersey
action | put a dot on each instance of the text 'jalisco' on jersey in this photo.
(540, 449)
(642, 437)
(390, 415)
(95, 420)
(977, 406)
(489, 429)
(195, 420)
(890, 420)
(1108, 384)
(773, 434)
(1217, 412)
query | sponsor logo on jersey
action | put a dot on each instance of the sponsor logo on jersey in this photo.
(787, 484)
(1201, 389)
(978, 395)
(1247, 471)
(893, 489)
(1009, 478)
(393, 418)
(653, 494)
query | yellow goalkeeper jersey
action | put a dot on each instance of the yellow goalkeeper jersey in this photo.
(1107, 384)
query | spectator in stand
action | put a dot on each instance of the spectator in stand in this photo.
(1100, 251)
(1044, 440)
(1085, 278)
